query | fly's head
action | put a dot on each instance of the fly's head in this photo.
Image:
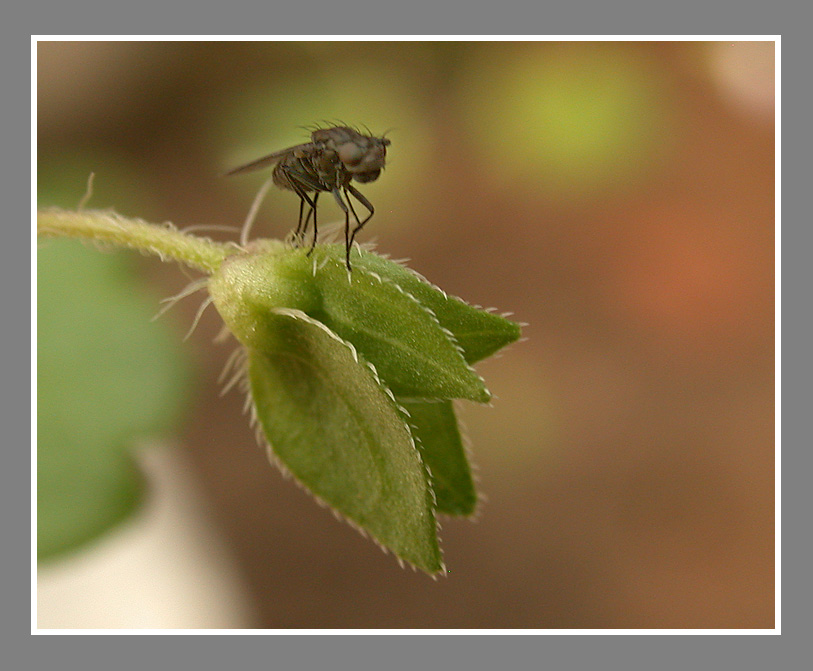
(362, 156)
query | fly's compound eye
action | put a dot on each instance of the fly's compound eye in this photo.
(350, 153)
(373, 159)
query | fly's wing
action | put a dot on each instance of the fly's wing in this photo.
(266, 161)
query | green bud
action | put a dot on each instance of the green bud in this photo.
(248, 286)
(352, 377)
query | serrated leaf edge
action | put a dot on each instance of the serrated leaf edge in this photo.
(241, 362)
(432, 316)
(465, 440)
(449, 297)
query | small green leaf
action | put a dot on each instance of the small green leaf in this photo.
(340, 432)
(412, 352)
(478, 333)
(434, 427)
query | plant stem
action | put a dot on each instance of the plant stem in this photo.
(164, 240)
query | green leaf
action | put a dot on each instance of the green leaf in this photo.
(412, 352)
(330, 422)
(105, 376)
(478, 333)
(434, 427)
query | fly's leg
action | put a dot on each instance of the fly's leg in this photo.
(347, 240)
(299, 233)
(360, 198)
(302, 227)
(301, 183)
(312, 210)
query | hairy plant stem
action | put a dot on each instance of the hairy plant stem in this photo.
(162, 240)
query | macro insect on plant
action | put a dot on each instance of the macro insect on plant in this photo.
(334, 156)
(350, 377)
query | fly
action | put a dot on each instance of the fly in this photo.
(329, 162)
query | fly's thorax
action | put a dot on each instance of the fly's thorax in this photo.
(326, 165)
(335, 135)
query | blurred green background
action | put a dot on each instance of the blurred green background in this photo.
(618, 197)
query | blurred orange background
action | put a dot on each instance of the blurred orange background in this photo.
(618, 197)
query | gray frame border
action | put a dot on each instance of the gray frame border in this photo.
(388, 651)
